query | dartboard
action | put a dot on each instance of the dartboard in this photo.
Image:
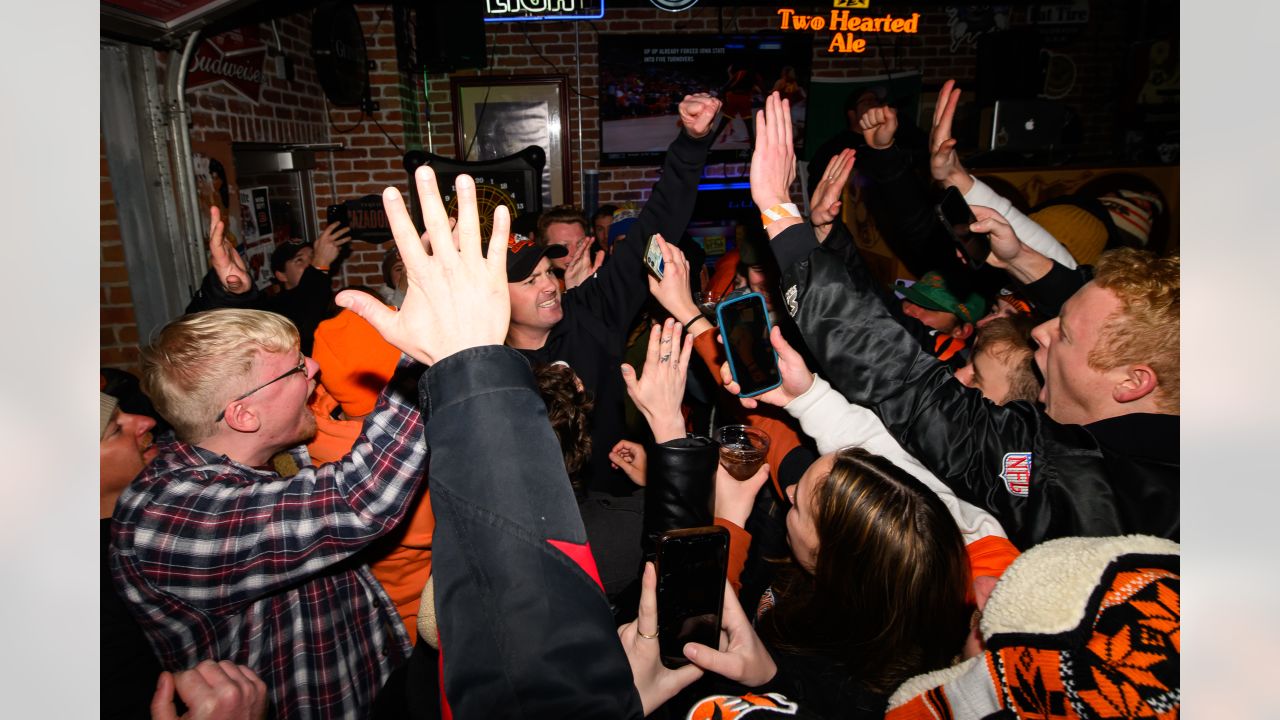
(514, 181)
(492, 189)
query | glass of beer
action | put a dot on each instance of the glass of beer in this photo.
(742, 449)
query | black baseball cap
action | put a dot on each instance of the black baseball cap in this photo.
(524, 254)
(286, 252)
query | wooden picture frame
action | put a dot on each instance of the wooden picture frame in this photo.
(494, 117)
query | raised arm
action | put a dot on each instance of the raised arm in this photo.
(618, 291)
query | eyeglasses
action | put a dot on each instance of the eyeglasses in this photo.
(301, 368)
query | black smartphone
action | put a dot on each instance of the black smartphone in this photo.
(744, 327)
(653, 257)
(692, 564)
(336, 213)
(956, 217)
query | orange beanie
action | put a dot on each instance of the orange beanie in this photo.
(355, 362)
(1083, 234)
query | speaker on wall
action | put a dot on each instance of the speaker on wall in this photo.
(450, 35)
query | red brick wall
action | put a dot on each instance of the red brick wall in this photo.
(119, 344)
(296, 111)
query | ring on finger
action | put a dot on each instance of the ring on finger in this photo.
(646, 637)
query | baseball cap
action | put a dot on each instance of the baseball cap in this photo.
(931, 292)
(285, 252)
(523, 255)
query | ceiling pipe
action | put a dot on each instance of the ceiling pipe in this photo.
(185, 172)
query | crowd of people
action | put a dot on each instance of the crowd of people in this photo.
(446, 498)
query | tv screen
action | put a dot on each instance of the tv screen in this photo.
(643, 78)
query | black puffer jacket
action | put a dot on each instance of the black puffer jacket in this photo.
(1040, 478)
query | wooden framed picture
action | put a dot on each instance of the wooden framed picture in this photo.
(498, 117)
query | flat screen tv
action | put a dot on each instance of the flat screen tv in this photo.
(644, 77)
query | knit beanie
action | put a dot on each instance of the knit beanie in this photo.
(355, 362)
(106, 405)
(1076, 228)
(1076, 628)
(1133, 212)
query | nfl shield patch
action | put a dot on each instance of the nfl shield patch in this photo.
(1016, 473)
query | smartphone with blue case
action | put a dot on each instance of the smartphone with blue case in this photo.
(744, 327)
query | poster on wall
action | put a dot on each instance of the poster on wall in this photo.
(644, 77)
(216, 186)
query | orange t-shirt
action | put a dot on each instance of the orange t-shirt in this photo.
(402, 565)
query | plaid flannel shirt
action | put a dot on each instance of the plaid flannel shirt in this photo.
(222, 561)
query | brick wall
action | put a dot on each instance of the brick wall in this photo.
(119, 343)
(296, 111)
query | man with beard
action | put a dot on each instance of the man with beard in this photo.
(220, 556)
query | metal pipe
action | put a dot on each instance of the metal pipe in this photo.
(577, 53)
(188, 203)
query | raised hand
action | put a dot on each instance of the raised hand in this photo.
(743, 658)
(581, 265)
(944, 163)
(329, 244)
(211, 691)
(673, 291)
(658, 392)
(824, 206)
(457, 296)
(227, 264)
(773, 162)
(796, 376)
(1007, 251)
(698, 113)
(630, 458)
(878, 126)
(655, 682)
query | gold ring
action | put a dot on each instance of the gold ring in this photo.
(646, 637)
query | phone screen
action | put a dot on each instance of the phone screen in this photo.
(744, 327)
(691, 573)
(956, 216)
(653, 257)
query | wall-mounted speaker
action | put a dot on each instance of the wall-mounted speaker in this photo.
(450, 35)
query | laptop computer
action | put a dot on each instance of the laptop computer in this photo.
(1026, 126)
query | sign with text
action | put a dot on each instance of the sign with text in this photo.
(525, 10)
(366, 218)
(845, 24)
(233, 59)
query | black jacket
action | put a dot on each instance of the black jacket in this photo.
(1112, 477)
(525, 630)
(306, 305)
(598, 313)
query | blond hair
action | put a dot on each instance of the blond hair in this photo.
(201, 361)
(1147, 328)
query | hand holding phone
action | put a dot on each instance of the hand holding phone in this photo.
(653, 257)
(744, 328)
(956, 217)
(692, 565)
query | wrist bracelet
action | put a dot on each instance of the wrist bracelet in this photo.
(778, 212)
(694, 319)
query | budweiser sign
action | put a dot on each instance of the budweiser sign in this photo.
(233, 59)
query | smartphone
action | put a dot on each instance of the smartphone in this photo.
(653, 257)
(955, 215)
(336, 213)
(744, 327)
(692, 565)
